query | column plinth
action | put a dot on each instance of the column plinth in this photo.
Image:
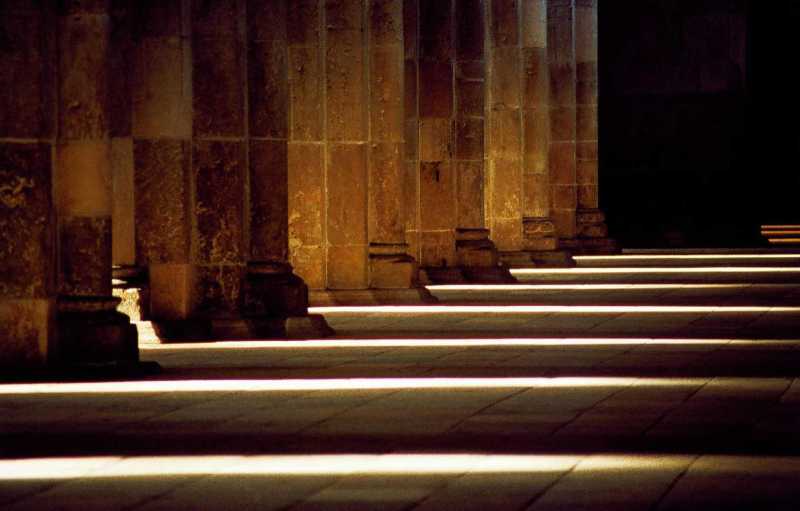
(91, 331)
(479, 259)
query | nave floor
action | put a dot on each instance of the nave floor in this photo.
(638, 388)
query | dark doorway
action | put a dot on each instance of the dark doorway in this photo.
(698, 129)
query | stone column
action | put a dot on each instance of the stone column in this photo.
(90, 329)
(504, 151)
(346, 134)
(591, 228)
(390, 266)
(437, 180)
(562, 155)
(306, 147)
(540, 240)
(162, 141)
(27, 233)
(275, 299)
(128, 277)
(476, 254)
(219, 163)
(411, 125)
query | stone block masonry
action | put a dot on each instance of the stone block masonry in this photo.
(226, 156)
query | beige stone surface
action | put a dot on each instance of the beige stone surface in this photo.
(562, 162)
(83, 48)
(306, 180)
(437, 195)
(305, 91)
(27, 231)
(172, 291)
(309, 263)
(26, 331)
(123, 250)
(83, 178)
(536, 133)
(347, 194)
(385, 22)
(505, 82)
(84, 255)
(386, 193)
(219, 174)
(437, 248)
(470, 180)
(537, 194)
(505, 135)
(217, 92)
(268, 87)
(391, 272)
(435, 139)
(347, 267)
(345, 84)
(161, 195)
(269, 200)
(386, 94)
(161, 102)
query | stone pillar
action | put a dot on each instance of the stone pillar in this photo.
(27, 234)
(126, 274)
(411, 125)
(219, 162)
(562, 154)
(504, 110)
(476, 254)
(162, 141)
(90, 328)
(390, 265)
(540, 240)
(437, 180)
(346, 134)
(445, 125)
(275, 299)
(346, 175)
(306, 146)
(591, 227)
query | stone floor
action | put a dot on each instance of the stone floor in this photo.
(640, 388)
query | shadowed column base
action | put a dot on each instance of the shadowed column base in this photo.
(479, 259)
(592, 235)
(540, 247)
(90, 331)
(273, 304)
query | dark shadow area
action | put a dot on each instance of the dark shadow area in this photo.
(698, 134)
(693, 439)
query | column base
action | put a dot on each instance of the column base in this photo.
(390, 266)
(274, 304)
(407, 296)
(479, 259)
(539, 235)
(90, 331)
(592, 234)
